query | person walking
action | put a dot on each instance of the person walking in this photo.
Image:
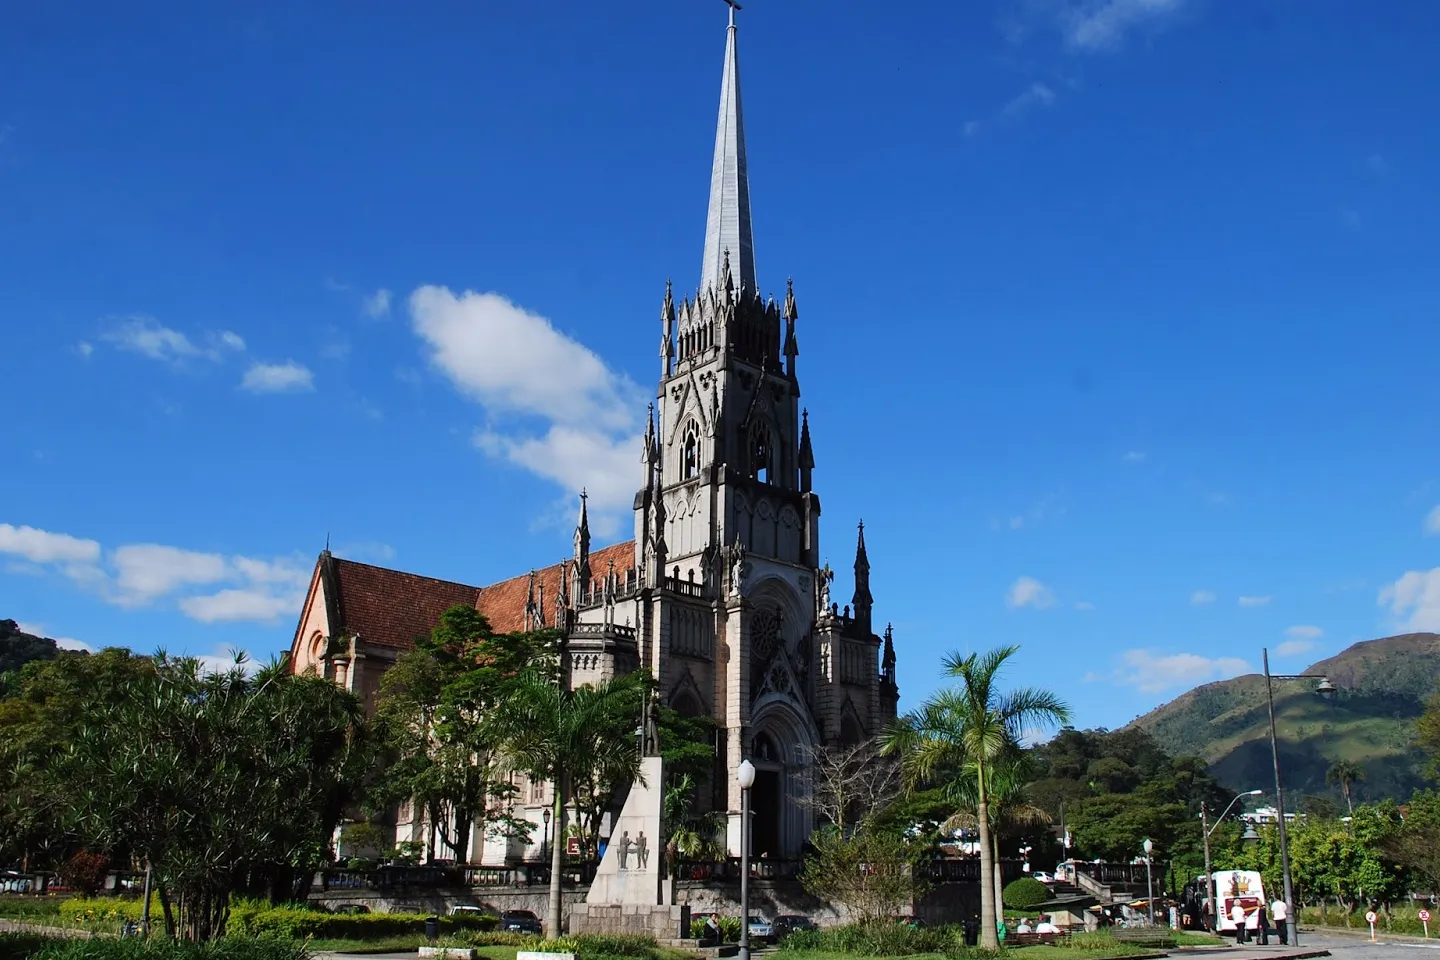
(1237, 915)
(1280, 911)
(1264, 926)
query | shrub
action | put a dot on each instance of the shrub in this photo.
(881, 938)
(298, 922)
(21, 946)
(614, 945)
(85, 871)
(114, 910)
(29, 907)
(1025, 893)
(729, 929)
(227, 948)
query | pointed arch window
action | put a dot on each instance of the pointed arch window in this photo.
(690, 454)
(762, 454)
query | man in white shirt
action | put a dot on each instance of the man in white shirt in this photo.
(1280, 913)
(1024, 926)
(1045, 926)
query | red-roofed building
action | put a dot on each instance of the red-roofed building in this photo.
(723, 593)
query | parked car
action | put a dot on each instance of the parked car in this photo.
(789, 923)
(468, 910)
(1043, 877)
(520, 921)
(761, 929)
(351, 908)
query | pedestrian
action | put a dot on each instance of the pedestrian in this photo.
(1237, 915)
(1264, 926)
(1280, 910)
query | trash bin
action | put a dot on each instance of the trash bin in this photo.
(432, 927)
(972, 932)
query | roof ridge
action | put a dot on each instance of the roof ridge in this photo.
(407, 573)
(550, 566)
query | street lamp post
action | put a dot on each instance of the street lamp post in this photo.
(1208, 830)
(1149, 884)
(545, 848)
(1325, 688)
(745, 776)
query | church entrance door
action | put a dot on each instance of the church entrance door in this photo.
(766, 814)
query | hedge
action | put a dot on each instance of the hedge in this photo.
(1025, 893)
(293, 922)
(160, 948)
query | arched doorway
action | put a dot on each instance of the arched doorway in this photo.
(781, 749)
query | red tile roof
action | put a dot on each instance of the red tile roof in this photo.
(391, 608)
(504, 602)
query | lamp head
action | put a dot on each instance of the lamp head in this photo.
(546, 815)
(1325, 688)
(1254, 793)
(1251, 835)
(745, 774)
(1148, 846)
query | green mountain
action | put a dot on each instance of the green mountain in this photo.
(18, 648)
(1383, 688)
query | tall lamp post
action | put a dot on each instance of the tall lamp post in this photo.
(545, 854)
(745, 776)
(1326, 689)
(1207, 830)
(1149, 884)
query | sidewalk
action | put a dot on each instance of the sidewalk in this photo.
(1364, 934)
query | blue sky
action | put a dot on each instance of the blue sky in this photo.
(1117, 316)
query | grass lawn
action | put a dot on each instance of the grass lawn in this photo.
(409, 942)
(1037, 952)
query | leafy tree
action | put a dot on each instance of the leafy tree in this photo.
(208, 775)
(870, 871)
(564, 736)
(18, 648)
(430, 715)
(959, 733)
(1344, 773)
(688, 836)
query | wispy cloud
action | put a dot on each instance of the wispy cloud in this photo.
(1152, 672)
(1414, 600)
(1097, 26)
(971, 128)
(150, 338)
(1029, 592)
(1134, 456)
(578, 429)
(1304, 632)
(64, 643)
(1255, 601)
(1432, 522)
(208, 587)
(1202, 598)
(287, 377)
(1085, 606)
(1036, 95)
(1377, 165)
(377, 305)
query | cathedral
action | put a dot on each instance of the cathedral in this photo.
(721, 593)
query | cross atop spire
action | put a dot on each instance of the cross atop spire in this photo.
(727, 225)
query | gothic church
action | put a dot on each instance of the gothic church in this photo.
(721, 593)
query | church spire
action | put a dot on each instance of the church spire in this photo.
(727, 225)
(807, 453)
(582, 550)
(862, 600)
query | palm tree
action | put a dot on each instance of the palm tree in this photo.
(1345, 773)
(550, 733)
(962, 733)
(1010, 810)
(687, 835)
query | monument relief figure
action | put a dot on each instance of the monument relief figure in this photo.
(642, 851)
(650, 743)
(624, 845)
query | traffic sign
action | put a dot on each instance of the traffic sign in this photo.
(1370, 917)
(1425, 916)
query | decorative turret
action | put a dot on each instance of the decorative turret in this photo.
(582, 552)
(862, 601)
(887, 659)
(807, 454)
(790, 314)
(667, 326)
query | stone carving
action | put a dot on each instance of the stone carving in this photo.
(738, 568)
(622, 849)
(826, 575)
(650, 742)
(642, 851)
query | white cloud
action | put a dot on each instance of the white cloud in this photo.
(41, 546)
(1029, 592)
(240, 604)
(1293, 648)
(1085, 605)
(972, 127)
(1134, 456)
(145, 571)
(143, 574)
(150, 338)
(1036, 95)
(1255, 601)
(1201, 598)
(1100, 25)
(1377, 165)
(1414, 600)
(377, 305)
(1152, 672)
(84, 348)
(366, 550)
(1432, 521)
(1304, 633)
(287, 377)
(520, 368)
